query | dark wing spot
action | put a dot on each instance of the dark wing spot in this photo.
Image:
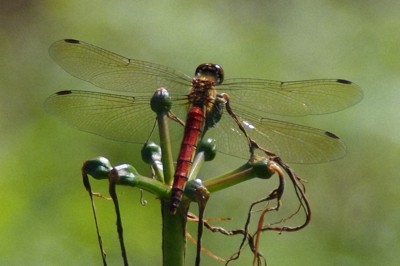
(331, 135)
(71, 41)
(344, 81)
(63, 92)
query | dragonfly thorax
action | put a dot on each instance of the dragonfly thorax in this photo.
(203, 92)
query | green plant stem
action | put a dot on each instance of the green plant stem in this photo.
(174, 234)
(166, 150)
(196, 166)
(150, 185)
(232, 178)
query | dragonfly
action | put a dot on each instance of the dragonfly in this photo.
(200, 100)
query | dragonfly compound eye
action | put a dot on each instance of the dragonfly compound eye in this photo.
(211, 70)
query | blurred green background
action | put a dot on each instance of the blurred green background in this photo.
(45, 212)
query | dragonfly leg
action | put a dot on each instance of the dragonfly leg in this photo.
(228, 108)
(252, 144)
(173, 117)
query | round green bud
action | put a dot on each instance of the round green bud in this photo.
(98, 167)
(151, 152)
(209, 147)
(161, 101)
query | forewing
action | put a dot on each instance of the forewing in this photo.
(110, 71)
(296, 98)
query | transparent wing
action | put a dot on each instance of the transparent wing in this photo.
(291, 98)
(293, 143)
(110, 71)
(116, 117)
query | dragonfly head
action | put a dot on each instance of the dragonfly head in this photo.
(213, 71)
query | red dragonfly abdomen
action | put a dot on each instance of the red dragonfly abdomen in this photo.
(193, 129)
